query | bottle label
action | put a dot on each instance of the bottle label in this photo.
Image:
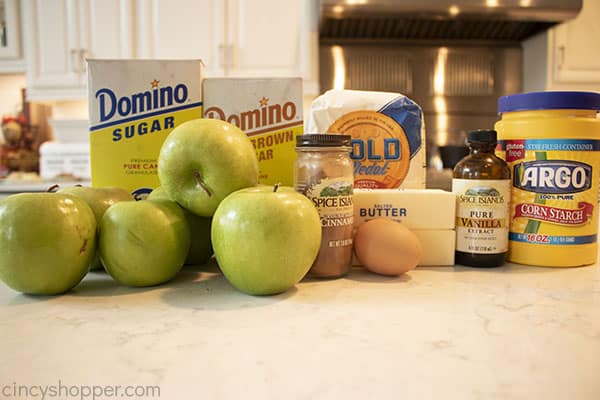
(482, 215)
(333, 198)
(554, 190)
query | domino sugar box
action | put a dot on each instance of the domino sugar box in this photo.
(133, 106)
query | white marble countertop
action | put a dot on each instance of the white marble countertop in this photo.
(12, 187)
(436, 333)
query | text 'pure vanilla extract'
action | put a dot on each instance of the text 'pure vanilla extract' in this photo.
(481, 182)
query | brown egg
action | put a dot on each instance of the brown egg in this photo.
(387, 247)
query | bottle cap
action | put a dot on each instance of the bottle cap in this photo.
(482, 136)
(549, 101)
(323, 140)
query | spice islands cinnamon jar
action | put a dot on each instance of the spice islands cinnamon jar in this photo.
(324, 173)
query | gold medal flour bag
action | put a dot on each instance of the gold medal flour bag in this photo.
(388, 135)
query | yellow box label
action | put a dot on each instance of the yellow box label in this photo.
(269, 111)
(276, 153)
(554, 198)
(133, 106)
(125, 154)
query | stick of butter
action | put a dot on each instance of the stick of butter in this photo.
(418, 209)
(438, 246)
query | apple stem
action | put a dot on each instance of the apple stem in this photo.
(198, 179)
(53, 188)
(276, 186)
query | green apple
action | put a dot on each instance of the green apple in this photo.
(204, 160)
(99, 199)
(266, 238)
(200, 245)
(158, 193)
(143, 243)
(47, 242)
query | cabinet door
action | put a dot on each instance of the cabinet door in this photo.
(61, 34)
(11, 56)
(52, 46)
(264, 37)
(575, 47)
(107, 28)
(175, 29)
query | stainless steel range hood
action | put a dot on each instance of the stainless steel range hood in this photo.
(499, 20)
(453, 57)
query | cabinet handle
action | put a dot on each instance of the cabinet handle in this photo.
(83, 53)
(226, 54)
(75, 60)
(222, 53)
(78, 57)
(226, 57)
(230, 56)
(561, 56)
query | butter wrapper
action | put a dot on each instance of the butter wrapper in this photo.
(417, 209)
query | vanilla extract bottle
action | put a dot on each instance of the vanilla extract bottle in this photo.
(481, 182)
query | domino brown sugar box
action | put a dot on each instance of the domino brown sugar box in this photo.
(323, 172)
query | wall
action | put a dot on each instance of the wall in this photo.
(11, 103)
(10, 92)
(76, 109)
(535, 74)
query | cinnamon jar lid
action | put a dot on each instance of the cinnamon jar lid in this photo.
(323, 140)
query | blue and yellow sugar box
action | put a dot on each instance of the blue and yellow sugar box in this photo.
(133, 106)
(269, 111)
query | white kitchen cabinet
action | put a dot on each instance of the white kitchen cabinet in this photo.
(264, 37)
(182, 29)
(567, 56)
(61, 34)
(576, 53)
(272, 38)
(233, 37)
(11, 55)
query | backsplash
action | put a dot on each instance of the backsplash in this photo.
(10, 88)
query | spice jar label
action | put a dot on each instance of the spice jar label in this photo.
(333, 199)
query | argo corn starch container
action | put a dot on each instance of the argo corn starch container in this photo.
(551, 142)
